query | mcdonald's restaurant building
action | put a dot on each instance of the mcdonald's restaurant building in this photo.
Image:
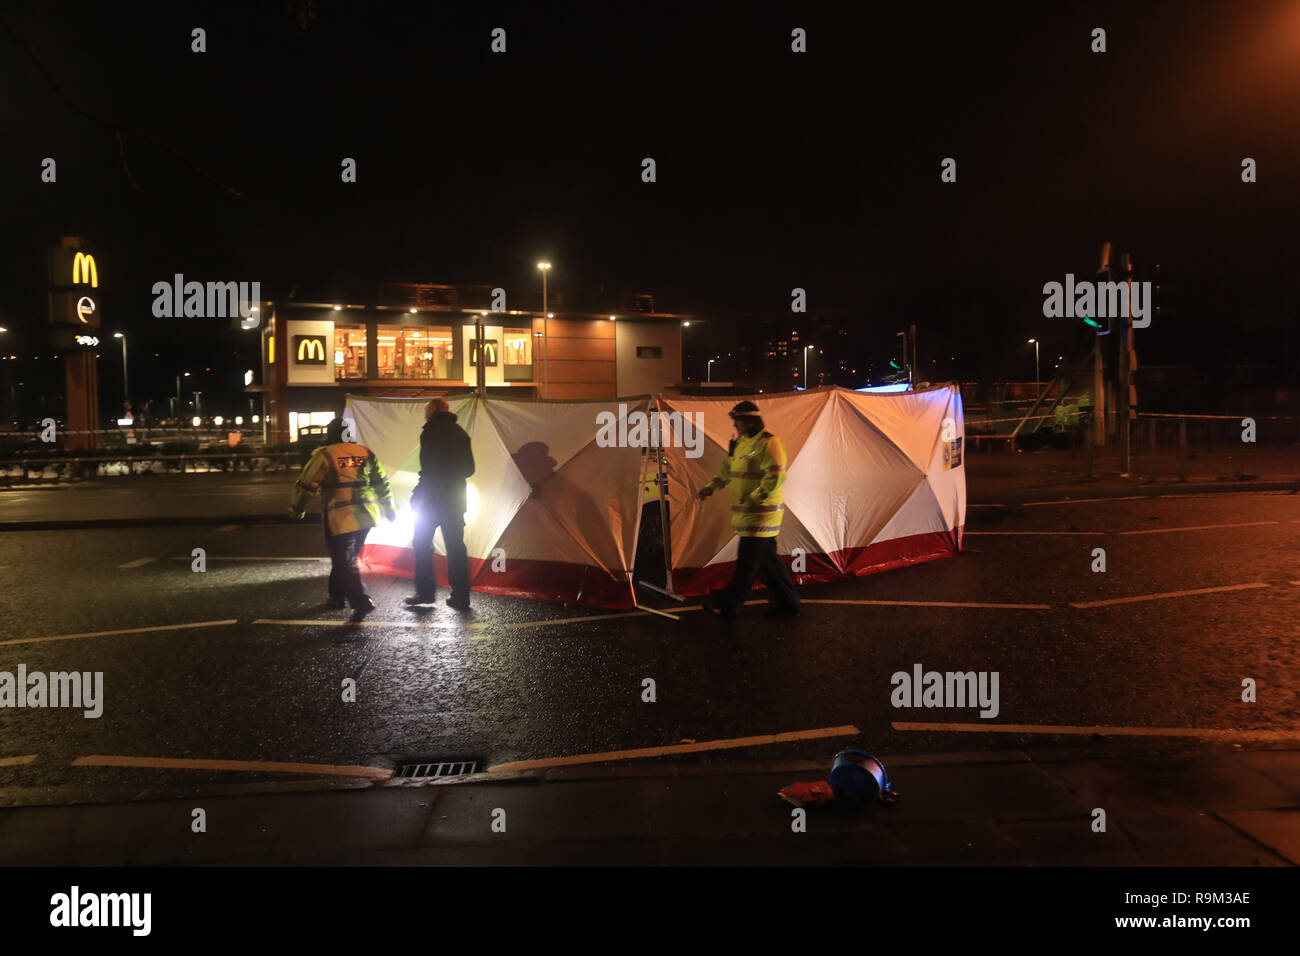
(419, 341)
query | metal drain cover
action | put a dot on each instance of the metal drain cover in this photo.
(434, 769)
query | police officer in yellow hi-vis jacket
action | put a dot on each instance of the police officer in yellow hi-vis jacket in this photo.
(355, 491)
(754, 471)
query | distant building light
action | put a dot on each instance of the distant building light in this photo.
(239, 419)
(196, 421)
(256, 419)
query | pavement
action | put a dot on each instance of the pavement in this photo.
(1013, 808)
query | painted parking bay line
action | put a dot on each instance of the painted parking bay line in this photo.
(125, 630)
(1171, 594)
(1202, 527)
(137, 563)
(16, 761)
(1207, 733)
(250, 766)
(847, 730)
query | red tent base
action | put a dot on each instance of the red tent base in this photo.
(836, 566)
(552, 581)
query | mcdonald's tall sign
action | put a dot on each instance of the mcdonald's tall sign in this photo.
(84, 271)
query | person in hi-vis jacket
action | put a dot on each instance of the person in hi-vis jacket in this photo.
(754, 471)
(354, 491)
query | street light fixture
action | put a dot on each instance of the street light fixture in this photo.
(709, 370)
(1034, 343)
(805, 364)
(546, 334)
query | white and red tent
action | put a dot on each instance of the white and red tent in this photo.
(552, 514)
(875, 481)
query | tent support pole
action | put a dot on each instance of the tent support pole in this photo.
(663, 520)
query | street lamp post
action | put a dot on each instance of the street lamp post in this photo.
(709, 370)
(546, 334)
(178, 393)
(126, 387)
(1034, 343)
(805, 364)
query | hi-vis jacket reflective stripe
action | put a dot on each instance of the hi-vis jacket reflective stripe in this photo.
(354, 484)
(754, 471)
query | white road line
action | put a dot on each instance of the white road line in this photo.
(1214, 733)
(227, 527)
(1171, 594)
(846, 730)
(253, 766)
(1202, 527)
(654, 610)
(137, 563)
(1079, 501)
(418, 625)
(125, 630)
(1010, 607)
(15, 761)
(186, 557)
(1035, 533)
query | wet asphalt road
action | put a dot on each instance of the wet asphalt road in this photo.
(253, 691)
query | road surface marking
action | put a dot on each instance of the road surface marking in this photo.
(429, 625)
(1010, 607)
(653, 610)
(1205, 732)
(1170, 594)
(254, 766)
(848, 730)
(578, 620)
(186, 557)
(125, 630)
(15, 761)
(227, 527)
(1202, 527)
(1038, 532)
(1080, 501)
(608, 617)
(137, 563)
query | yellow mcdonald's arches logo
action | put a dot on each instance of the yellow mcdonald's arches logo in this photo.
(311, 349)
(83, 270)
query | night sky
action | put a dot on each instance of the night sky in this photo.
(775, 169)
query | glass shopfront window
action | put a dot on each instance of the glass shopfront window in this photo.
(349, 351)
(414, 352)
(518, 357)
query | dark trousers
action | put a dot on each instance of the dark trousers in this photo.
(451, 519)
(756, 558)
(345, 576)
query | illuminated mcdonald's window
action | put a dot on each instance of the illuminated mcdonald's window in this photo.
(84, 271)
(349, 351)
(415, 352)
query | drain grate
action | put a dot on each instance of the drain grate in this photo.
(431, 770)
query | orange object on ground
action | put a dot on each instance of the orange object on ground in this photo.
(813, 794)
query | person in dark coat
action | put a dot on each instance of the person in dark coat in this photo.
(446, 460)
